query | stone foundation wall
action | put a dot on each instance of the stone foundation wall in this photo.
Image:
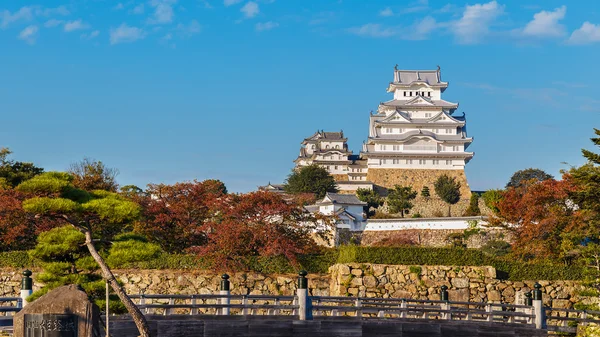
(430, 237)
(417, 178)
(477, 284)
(340, 177)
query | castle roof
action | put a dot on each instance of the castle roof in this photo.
(408, 78)
(321, 135)
(343, 199)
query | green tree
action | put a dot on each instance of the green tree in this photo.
(310, 179)
(491, 198)
(90, 174)
(473, 208)
(95, 214)
(399, 199)
(524, 176)
(372, 198)
(62, 254)
(592, 157)
(448, 189)
(12, 173)
(425, 192)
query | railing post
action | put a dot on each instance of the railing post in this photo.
(358, 305)
(26, 286)
(193, 310)
(169, 310)
(538, 307)
(225, 291)
(444, 293)
(304, 307)
(490, 312)
(404, 307)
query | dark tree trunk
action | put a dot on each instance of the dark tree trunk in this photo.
(134, 311)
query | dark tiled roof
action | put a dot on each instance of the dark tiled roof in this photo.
(345, 199)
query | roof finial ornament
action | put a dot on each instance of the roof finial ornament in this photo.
(438, 68)
(396, 67)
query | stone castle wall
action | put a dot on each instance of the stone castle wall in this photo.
(417, 178)
(477, 284)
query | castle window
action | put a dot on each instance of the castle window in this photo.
(436, 162)
(388, 130)
(326, 146)
(428, 114)
(335, 167)
(455, 148)
(422, 161)
(396, 148)
(314, 147)
(448, 130)
(410, 92)
(405, 94)
(448, 162)
(396, 161)
(383, 147)
(383, 161)
(416, 93)
(429, 94)
(423, 93)
(409, 161)
(337, 146)
(436, 130)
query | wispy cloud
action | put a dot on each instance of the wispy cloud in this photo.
(546, 24)
(386, 12)
(53, 23)
(250, 9)
(475, 22)
(23, 14)
(228, 3)
(373, 30)
(321, 18)
(126, 34)
(586, 34)
(262, 26)
(190, 29)
(419, 30)
(29, 34)
(139, 9)
(91, 35)
(28, 13)
(118, 7)
(163, 11)
(72, 26)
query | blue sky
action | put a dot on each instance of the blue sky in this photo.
(174, 90)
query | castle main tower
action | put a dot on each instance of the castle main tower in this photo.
(414, 138)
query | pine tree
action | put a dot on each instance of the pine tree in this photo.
(448, 189)
(399, 199)
(589, 155)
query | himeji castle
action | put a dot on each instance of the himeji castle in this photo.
(413, 138)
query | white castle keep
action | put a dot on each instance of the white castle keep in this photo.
(414, 131)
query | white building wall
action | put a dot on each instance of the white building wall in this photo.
(424, 223)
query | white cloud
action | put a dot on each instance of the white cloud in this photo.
(586, 34)
(250, 9)
(163, 11)
(139, 9)
(421, 29)
(228, 3)
(386, 12)
(23, 14)
(373, 30)
(262, 26)
(545, 24)
(29, 34)
(126, 34)
(91, 35)
(475, 22)
(60, 10)
(190, 29)
(119, 7)
(53, 23)
(72, 26)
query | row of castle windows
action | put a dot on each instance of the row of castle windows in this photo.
(314, 147)
(384, 147)
(410, 161)
(417, 93)
(397, 130)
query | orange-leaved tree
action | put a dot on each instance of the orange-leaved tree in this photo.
(259, 224)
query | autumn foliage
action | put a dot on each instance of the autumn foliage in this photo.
(258, 224)
(174, 216)
(540, 213)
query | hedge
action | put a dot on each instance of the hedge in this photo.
(320, 263)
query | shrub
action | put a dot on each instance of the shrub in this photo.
(496, 248)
